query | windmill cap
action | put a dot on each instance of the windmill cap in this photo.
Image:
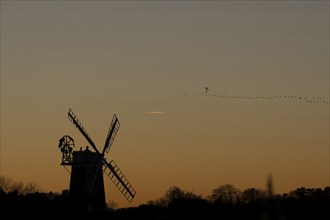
(85, 157)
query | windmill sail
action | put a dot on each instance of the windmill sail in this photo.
(113, 130)
(77, 123)
(94, 180)
(117, 177)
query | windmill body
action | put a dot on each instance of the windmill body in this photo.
(87, 169)
(83, 169)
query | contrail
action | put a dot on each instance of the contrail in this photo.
(155, 113)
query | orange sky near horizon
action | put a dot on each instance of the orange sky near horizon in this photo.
(266, 65)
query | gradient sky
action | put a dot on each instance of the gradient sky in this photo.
(133, 58)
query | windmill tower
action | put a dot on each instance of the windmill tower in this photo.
(87, 168)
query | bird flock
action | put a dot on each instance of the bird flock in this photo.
(224, 95)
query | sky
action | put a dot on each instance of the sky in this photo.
(266, 110)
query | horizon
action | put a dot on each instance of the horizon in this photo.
(9, 184)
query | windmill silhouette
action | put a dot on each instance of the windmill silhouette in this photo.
(87, 168)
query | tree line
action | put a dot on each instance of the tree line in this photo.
(225, 202)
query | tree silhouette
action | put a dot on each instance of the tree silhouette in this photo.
(8, 185)
(251, 195)
(226, 194)
(225, 202)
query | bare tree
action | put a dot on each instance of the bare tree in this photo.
(172, 194)
(227, 194)
(8, 185)
(161, 202)
(250, 195)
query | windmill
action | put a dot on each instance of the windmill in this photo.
(87, 168)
